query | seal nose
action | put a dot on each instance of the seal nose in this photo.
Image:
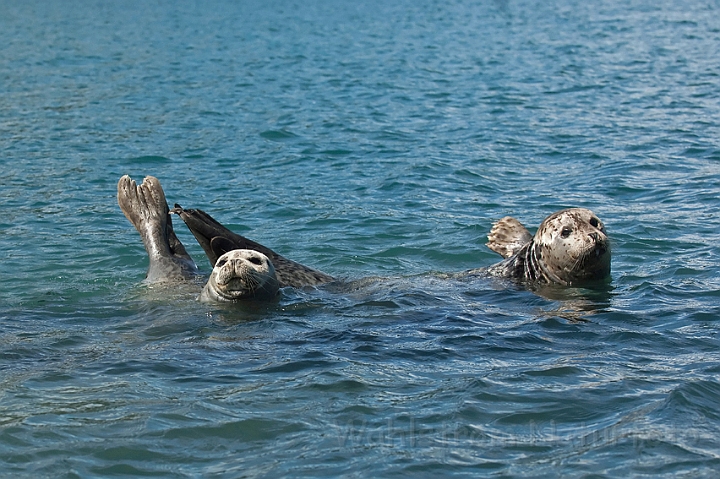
(239, 266)
(595, 236)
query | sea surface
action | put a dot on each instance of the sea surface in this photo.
(378, 142)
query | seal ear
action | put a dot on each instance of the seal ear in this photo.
(508, 236)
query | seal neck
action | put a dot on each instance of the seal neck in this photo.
(537, 270)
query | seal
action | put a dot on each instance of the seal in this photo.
(216, 240)
(570, 248)
(146, 208)
(237, 275)
(241, 274)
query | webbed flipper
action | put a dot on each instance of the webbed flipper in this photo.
(145, 207)
(508, 236)
(216, 240)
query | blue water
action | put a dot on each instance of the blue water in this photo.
(369, 140)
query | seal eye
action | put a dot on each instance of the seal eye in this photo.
(220, 263)
(594, 222)
(255, 260)
(565, 232)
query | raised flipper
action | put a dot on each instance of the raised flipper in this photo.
(508, 236)
(146, 208)
(216, 240)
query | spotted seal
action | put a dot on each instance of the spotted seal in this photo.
(570, 248)
(216, 240)
(241, 274)
(237, 275)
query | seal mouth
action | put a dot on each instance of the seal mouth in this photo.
(595, 255)
(595, 264)
(236, 288)
(232, 283)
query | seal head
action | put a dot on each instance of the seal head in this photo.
(571, 247)
(241, 274)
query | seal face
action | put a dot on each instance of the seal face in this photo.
(241, 274)
(570, 247)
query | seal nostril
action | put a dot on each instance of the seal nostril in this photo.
(594, 222)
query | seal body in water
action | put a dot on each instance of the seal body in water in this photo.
(216, 240)
(570, 248)
(240, 274)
